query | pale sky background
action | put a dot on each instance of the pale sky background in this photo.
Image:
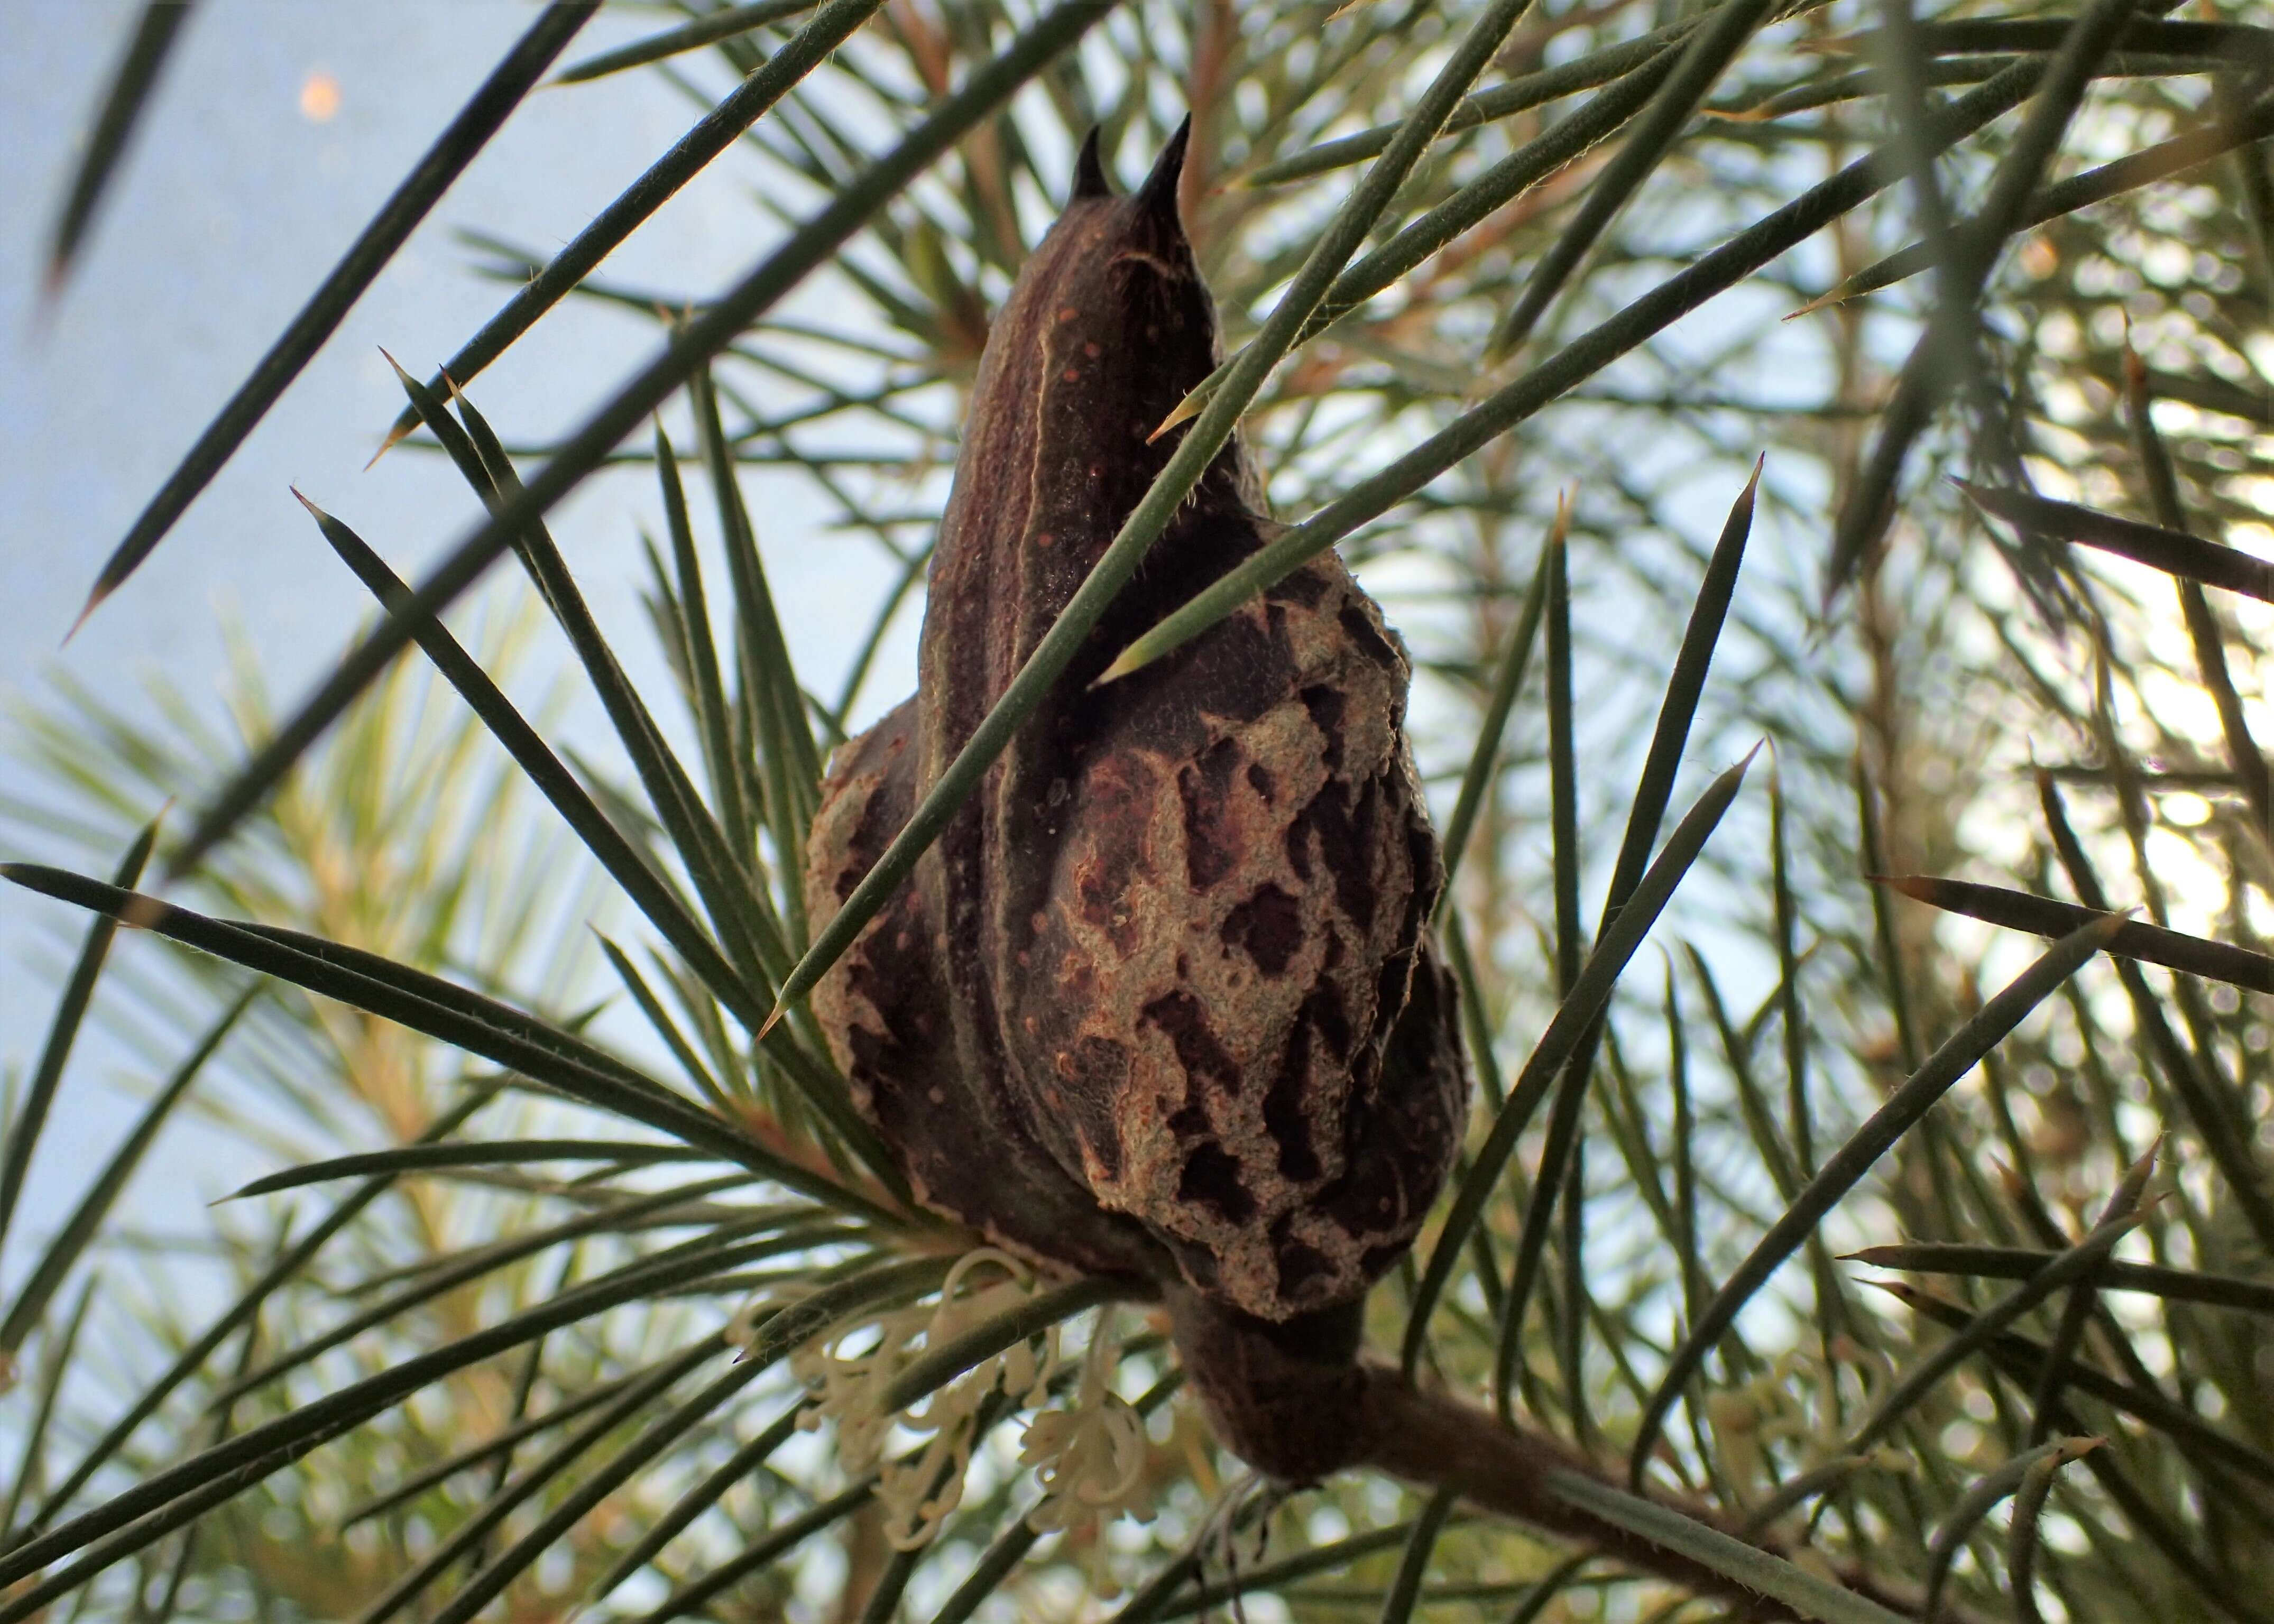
(232, 204)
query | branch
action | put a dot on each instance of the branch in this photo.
(1434, 1440)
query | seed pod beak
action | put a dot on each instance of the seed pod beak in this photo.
(1158, 197)
(1090, 180)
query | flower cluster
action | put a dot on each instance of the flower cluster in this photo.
(1089, 1458)
(920, 1489)
(1750, 1421)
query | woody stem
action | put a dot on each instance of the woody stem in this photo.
(1434, 1440)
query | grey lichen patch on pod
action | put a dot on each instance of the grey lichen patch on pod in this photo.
(1160, 1003)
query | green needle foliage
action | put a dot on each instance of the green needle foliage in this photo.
(131, 87)
(1896, 1249)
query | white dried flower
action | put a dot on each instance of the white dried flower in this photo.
(1774, 1408)
(1090, 1458)
(919, 1491)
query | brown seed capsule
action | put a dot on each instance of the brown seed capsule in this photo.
(1161, 1001)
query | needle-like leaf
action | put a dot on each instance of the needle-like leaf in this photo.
(724, 23)
(287, 1264)
(584, 451)
(1958, 1054)
(268, 1446)
(1938, 356)
(59, 1350)
(1712, 274)
(426, 1004)
(1748, 1565)
(1413, 1566)
(2017, 910)
(2020, 1263)
(548, 284)
(733, 1470)
(1484, 760)
(2079, 1263)
(1590, 993)
(1704, 56)
(131, 86)
(1980, 1499)
(601, 837)
(479, 1154)
(77, 1230)
(2145, 168)
(453, 150)
(2175, 552)
(493, 1447)
(1686, 685)
(1518, 95)
(2024, 1360)
(70, 1010)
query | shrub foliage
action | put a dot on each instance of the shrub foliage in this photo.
(1904, 1212)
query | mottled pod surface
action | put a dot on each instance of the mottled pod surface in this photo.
(1161, 1000)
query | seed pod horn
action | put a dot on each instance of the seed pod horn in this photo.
(1158, 194)
(1090, 171)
